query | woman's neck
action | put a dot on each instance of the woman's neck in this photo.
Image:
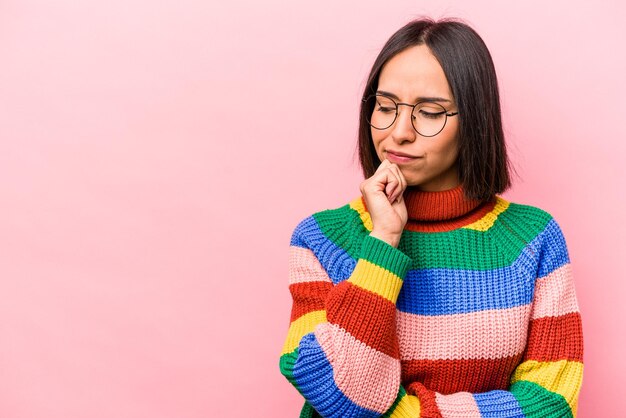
(442, 210)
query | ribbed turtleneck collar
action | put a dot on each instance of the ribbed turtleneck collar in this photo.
(445, 205)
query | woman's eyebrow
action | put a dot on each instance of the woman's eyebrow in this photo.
(419, 99)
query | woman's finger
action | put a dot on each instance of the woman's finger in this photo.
(395, 180)
(383, 180)
(392, 185)
(402, 182)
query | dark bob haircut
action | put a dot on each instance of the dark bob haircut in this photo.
(482, 163)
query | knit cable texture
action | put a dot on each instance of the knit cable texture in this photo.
(473, 315)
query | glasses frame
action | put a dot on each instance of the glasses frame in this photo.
(412, 106)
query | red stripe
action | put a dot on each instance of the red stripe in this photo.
(471, 375)
(428, 400)
(556, 338)
(308, 297)
(367, 316)
(449, 225)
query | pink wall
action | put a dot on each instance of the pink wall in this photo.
(155, 158)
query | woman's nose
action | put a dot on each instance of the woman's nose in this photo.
(402, 127)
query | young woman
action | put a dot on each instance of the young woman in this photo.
(430, 295)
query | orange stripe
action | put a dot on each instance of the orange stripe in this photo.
(308, 297)
(428, 399)
(450, 376)
(367, 316)
(449, 225)
(556, 338)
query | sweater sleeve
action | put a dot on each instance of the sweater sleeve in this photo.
(341, 350)
(548, 379)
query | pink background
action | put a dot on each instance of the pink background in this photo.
(156, 156)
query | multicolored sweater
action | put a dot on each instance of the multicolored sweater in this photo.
(473, 315)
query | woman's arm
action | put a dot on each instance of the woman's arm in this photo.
(341, 350)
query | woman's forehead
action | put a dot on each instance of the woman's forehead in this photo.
(413, 73)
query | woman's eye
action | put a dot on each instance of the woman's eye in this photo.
(385, 109)
(431, 115)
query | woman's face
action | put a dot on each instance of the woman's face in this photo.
(411, 76)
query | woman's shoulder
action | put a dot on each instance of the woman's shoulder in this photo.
(530, 221)
(524, 210)
(333, 223)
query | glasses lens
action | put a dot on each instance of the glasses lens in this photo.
(429, 118)
(383, 111)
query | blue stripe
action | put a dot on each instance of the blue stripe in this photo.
(445, 291)
(498, 404)
(314, 377)
(306, 227)
(337, 262)
(554, 253)
(453, 291)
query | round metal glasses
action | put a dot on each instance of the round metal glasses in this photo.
(427, 117)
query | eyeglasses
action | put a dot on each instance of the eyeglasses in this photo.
(428, 118)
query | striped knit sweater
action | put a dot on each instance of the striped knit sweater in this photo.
(473, 315)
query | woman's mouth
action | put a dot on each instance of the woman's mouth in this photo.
(399, 158)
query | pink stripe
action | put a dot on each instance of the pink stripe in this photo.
(490, 334)
(555, 294)
(305, 267)
(368, 377)
(457, 405)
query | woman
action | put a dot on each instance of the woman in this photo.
(430, 295)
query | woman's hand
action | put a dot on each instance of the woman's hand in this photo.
(384, 200)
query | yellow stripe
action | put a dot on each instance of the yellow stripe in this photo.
(487, 221)
(301, 327)
(563, 377)
(376, 279)
(357, 205)
(408, 407)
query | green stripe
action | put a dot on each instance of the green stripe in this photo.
(309, 412)
(537, 401)
(462, 248)
(344, 227)
(287, 362)
(518, 226)
(387, 256)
